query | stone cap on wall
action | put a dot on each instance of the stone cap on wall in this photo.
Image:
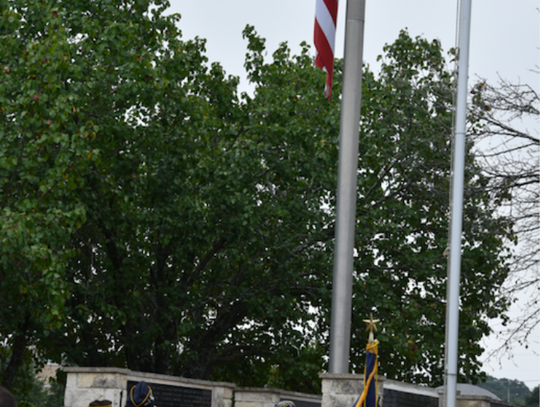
(466, 389)
(135, 376)
(410, 388)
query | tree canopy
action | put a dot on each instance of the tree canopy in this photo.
(155, 219)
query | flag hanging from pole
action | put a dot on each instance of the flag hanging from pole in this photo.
(324, 38)
(368, 398)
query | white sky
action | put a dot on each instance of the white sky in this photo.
(504, 41)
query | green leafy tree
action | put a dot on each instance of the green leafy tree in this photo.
(42, 148)
(205, 247)
(202, 223)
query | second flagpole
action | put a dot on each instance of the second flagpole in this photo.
(456, 214)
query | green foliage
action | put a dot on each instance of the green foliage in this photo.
(190, 230)
(533, 399)
(513, 391)
(46, 394)
(43, 393)
(28, 388)
(43, 148)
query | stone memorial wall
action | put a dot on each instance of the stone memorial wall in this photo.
(85, 385)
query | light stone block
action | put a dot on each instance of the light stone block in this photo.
(343, 390)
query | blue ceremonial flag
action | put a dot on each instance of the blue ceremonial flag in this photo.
(368, 398)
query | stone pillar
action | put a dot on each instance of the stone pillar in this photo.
(222, 396)
(343, 389)
(85, 385)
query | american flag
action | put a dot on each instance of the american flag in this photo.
(325, 32)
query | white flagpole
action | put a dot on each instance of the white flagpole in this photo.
(340, 330)
(456, 217)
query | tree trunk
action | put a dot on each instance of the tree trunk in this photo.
(15, 362)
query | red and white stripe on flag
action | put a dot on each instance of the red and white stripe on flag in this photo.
(325, 33)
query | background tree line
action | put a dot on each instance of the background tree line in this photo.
(512, 391)
(154, 219)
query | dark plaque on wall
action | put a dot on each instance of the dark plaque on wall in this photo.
(395, 398)
(178, 396)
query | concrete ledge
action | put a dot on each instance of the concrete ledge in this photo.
(411, 388)
(137, 376)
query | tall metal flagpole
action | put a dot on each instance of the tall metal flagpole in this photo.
(456, 217)
(340, 330)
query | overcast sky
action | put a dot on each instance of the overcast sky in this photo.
(504, 42)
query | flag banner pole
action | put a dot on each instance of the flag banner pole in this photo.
(340, 326)
(369, 397)
(456, 214)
